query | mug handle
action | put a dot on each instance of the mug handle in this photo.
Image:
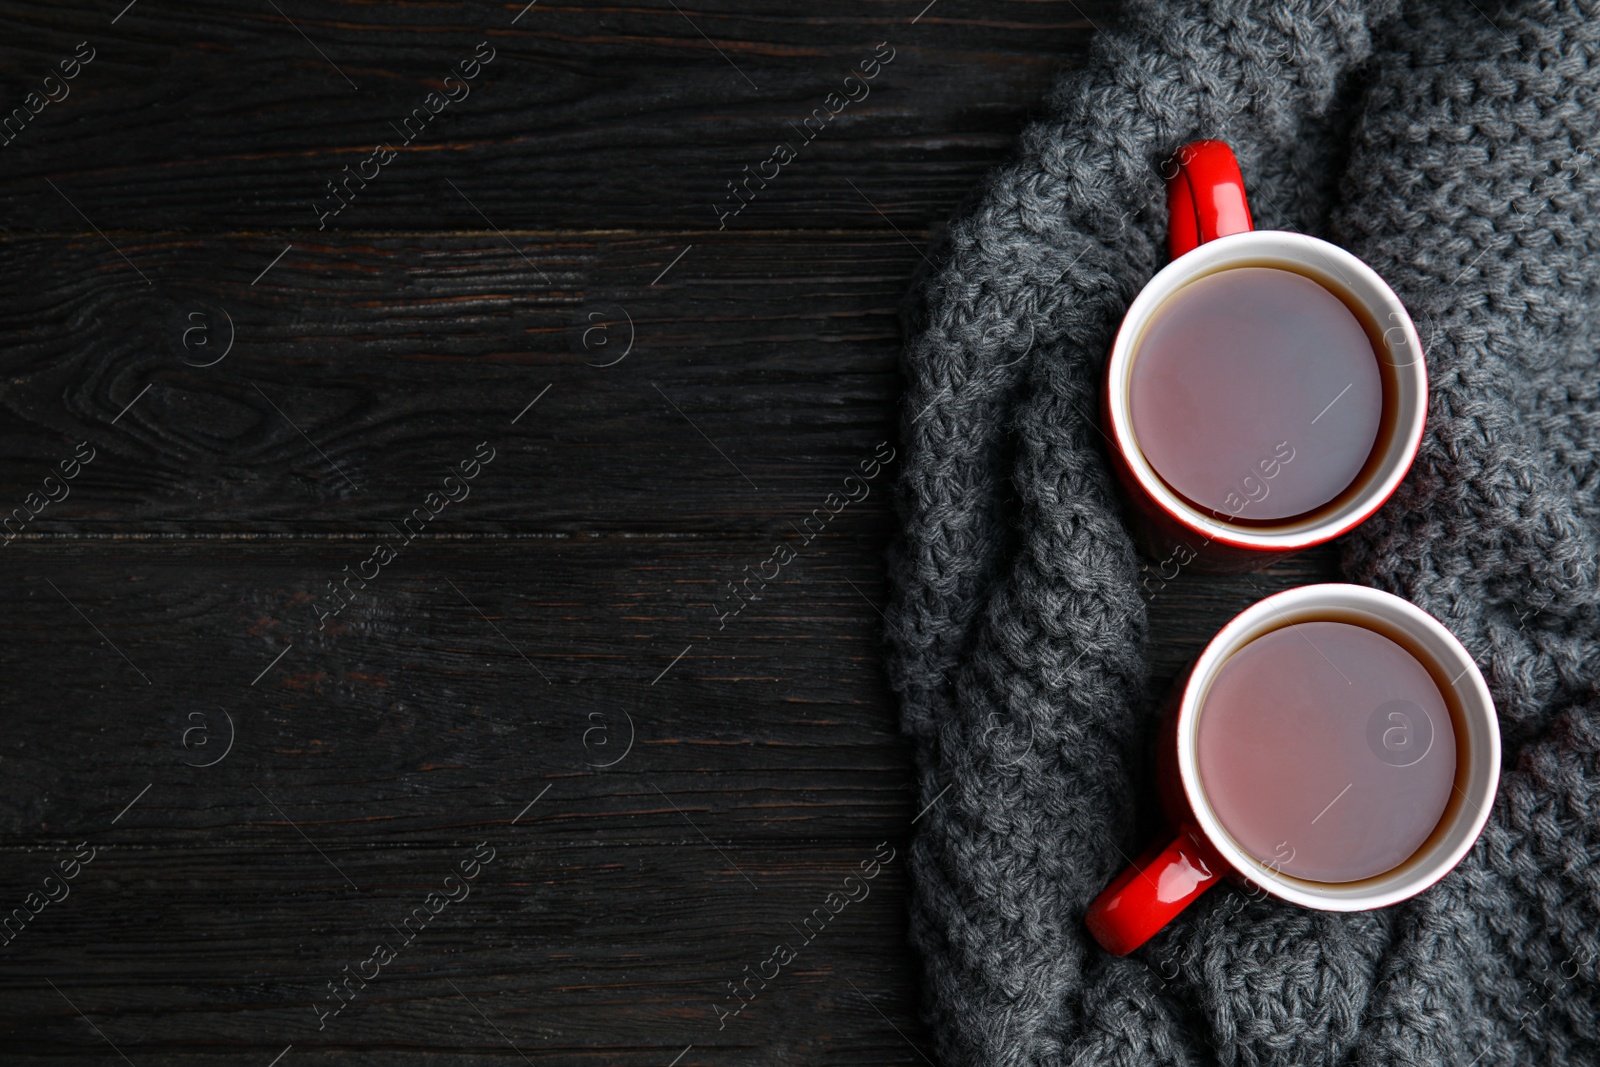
(1151, 892)
(1205, 197)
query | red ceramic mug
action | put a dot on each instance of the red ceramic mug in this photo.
(1210, 231)
(1197, 851)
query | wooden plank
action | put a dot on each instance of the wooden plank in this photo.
(736, 393)
(546, 947)
(206, 115)
(766, 766)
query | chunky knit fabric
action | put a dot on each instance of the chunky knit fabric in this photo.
(1452, 146)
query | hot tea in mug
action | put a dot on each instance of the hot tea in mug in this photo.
(1265, 391)
(1333, 745)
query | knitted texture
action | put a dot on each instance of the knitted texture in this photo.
(1450, 145)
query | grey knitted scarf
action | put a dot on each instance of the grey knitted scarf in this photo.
(1450, 145)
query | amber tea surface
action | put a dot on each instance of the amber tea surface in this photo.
(1326, 750)
(1256, 394)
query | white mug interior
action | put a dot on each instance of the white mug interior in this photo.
(1341, 273)
(1473, 716)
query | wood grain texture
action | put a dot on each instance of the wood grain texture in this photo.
(266, 401)
(360, 371)
(222, 116)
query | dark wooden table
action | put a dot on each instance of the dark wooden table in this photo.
(363, 565)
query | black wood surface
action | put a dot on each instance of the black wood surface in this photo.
(270, 776)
